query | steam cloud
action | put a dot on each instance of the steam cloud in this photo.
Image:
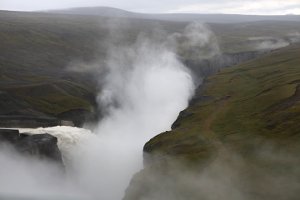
(145, 89)
(197, 42)
(145, 86)
(270, 43)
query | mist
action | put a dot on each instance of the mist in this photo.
(28, 178)
(143, 87)
(269, 172)
(197, 42)
(271, 43)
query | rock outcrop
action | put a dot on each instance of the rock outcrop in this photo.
(41, 146)
(204, 68)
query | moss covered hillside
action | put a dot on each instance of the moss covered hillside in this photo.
(257, 98)
(240, 134)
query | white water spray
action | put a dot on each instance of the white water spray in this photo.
(145, 89)
(143, 99)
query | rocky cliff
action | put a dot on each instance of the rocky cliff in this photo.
(40, 146)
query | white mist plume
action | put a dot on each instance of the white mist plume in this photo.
(294, 37)
(28, 178)
(145, 88)
(196, 42)
(268, 43)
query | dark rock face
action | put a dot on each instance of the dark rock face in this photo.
(42, 146)
(204, 68)
(11, 136)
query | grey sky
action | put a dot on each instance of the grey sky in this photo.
(265, 7)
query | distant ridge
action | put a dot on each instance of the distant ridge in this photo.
(210, 18)
(101, 11)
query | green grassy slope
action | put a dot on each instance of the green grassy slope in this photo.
(37, 48)
(235, 37)
(34, 52)
(239, 138)
(257, 99)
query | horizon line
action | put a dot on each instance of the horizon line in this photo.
(146, 13)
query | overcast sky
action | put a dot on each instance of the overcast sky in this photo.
(264, 7)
